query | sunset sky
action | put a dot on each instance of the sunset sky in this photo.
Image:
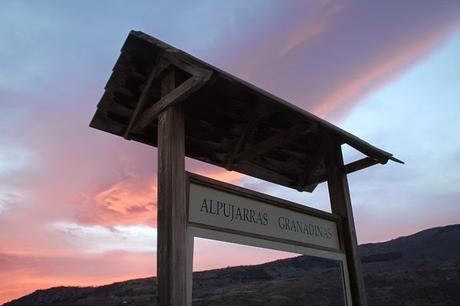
(78, 206)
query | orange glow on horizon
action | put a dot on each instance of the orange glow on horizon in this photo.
(23, 274)
(78, 207)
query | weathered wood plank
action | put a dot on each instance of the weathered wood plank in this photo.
(211, 104)
(258, 114)
(172, 98)
(279, 139)
(111, 125)
(309, 172)
(314, 163)
(272, 200)
(171, 242)
(124, 95)
(264, 174)
(360, 164)
(158, 68)
(348, 168)
(191, 67)
(121, 110)
(339, 195)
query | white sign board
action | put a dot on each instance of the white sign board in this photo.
(234, 212)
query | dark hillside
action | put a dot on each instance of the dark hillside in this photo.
(421, 269)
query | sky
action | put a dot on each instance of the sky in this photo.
(78, 206)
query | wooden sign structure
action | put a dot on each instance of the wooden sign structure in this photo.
(224, 212)
(164, 97)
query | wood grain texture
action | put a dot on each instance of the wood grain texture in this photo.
(348, 168)
(173, 97)
(282, 137)
(258, 196)
(257, 115)
(171, 242)
(160, 66)
(339, 195)
(224, 117)
(360, 164)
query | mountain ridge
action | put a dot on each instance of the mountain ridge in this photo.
(418, 269)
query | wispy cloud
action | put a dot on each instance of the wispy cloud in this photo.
(377, 74)
(125, 202)
(303, 35)
(63, 179)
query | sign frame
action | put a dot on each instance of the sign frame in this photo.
(201, 230)
(168, 87)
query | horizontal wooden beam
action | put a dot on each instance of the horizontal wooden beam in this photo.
(163, 63)
(124, 94)
(348, 168)
(207, 144)
(111, 125)
(120, 111)
(269, 144)
(360, 164)
(264, 174)
(184, 64)
(258, 114)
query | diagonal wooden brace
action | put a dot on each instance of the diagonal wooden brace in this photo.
(199, 77)
(174, 97)
(160, 66)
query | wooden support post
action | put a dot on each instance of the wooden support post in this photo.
(339, 195)
(171, 241)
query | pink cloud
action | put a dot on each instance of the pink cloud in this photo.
(329, 60)
(377, 74)
(125, 202)
(326, 56)
(304, 34)
(214, 172)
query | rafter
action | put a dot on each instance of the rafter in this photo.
(199, 77)
(258, 114)
(159, 67)
(174, 97)
(264, 174)
(360, 164)
(269, 144)
(181, 62)
(309, 174)
(349, 168)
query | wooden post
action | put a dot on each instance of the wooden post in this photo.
(339, 195)
(171, 220)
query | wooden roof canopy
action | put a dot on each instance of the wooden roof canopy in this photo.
(228, 122)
